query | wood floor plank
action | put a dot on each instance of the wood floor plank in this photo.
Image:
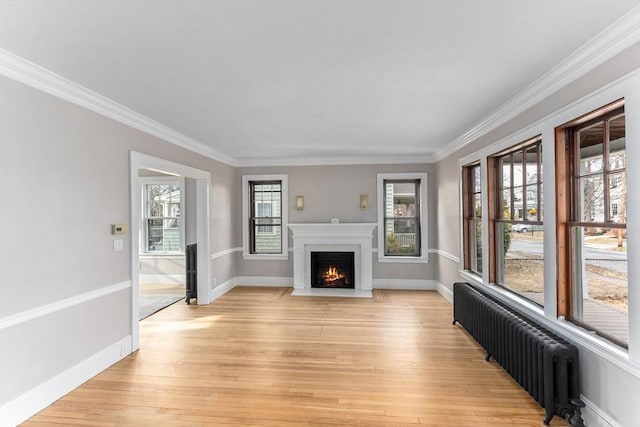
(258, 356)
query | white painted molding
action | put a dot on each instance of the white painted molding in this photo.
(21, 408)
(163, 279)
(264, 281)
(594, 416)
(405, 284)
(446, 255)
(221, 289)
(445, 292)
(225, 252)
(336, 161)
(620, 35)
(19, 69)
(34, 313)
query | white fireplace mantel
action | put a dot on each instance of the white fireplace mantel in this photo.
(341, 237)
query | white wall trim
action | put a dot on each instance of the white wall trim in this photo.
(594, 416)
(34, 313)
(446, 255)
(225, 252)
(222, 289)
(445, 292)
(163, 279)
(264, 281)
(620, 35)
(19, 69)
(22, 407)
(405, 284)
(336, 161)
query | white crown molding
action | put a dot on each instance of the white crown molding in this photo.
(34, 313)
(620, 35)
(336, 161)
(19, 69)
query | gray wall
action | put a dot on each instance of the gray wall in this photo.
(334, 192)
(605, 384)
(64, 180)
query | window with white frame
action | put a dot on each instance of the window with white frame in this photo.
(163, 228)
(265, 208)
(402, 227)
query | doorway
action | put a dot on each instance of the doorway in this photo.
(157, 232)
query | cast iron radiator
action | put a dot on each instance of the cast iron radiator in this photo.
(192, 272)
(544, 364)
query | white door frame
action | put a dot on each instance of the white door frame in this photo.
(203, 185)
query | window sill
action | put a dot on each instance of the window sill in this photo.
(265, 257)
(403, 259)
(161, 254)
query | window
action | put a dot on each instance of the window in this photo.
(515, 211)
(163, 229)
(472, 218)
(265, 217)
(401, 217)
(593, 285)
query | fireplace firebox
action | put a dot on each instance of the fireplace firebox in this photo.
(332, 270)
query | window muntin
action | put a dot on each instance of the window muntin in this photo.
(265, 218)
(162, 217)
(596, 277)
(472, 213)
(402, 217)
(517, 246)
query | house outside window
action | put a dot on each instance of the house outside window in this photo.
(516, 241)
(265, 213)
(402, 234)
(163, 230)
(593, 287)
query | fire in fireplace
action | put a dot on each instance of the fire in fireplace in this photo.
(332, 270)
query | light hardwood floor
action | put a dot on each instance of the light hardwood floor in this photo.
(258, 356)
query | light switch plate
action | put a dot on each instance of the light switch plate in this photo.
(118, 245)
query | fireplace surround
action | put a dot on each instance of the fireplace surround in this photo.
(356, 238)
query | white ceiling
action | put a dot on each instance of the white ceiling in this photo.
(273, 79)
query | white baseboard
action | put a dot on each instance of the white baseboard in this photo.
(22, 407)
(445, 292)
(263, 281)
(405, 284)
(594, 416)
(163, 279)
(221, 289)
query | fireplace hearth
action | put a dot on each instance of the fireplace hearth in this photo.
(332, 270)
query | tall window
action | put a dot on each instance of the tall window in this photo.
(264, 211)
(593, 285)
(472, 218)
(402, 217)
(516, 210)
(265, 221)
(163, 231)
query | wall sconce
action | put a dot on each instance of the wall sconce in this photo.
(364, 202)
(300, 203)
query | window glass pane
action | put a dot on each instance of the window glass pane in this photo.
(505, 202)
(591, 149)
(531, 168)
(476, 184)
(520, 259)
(518, 204)
(401, 235)
(617, 143)
(517, 168)
(592, 199)
(532, 202)
(266, 221)
(600, 282)
(617, 197)
(476, 246)
(505, 169)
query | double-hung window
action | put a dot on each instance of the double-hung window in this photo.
(591, 174)
(265, 216)
(472, 218)
(516, 238)
(163, 229)
(402, 233)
